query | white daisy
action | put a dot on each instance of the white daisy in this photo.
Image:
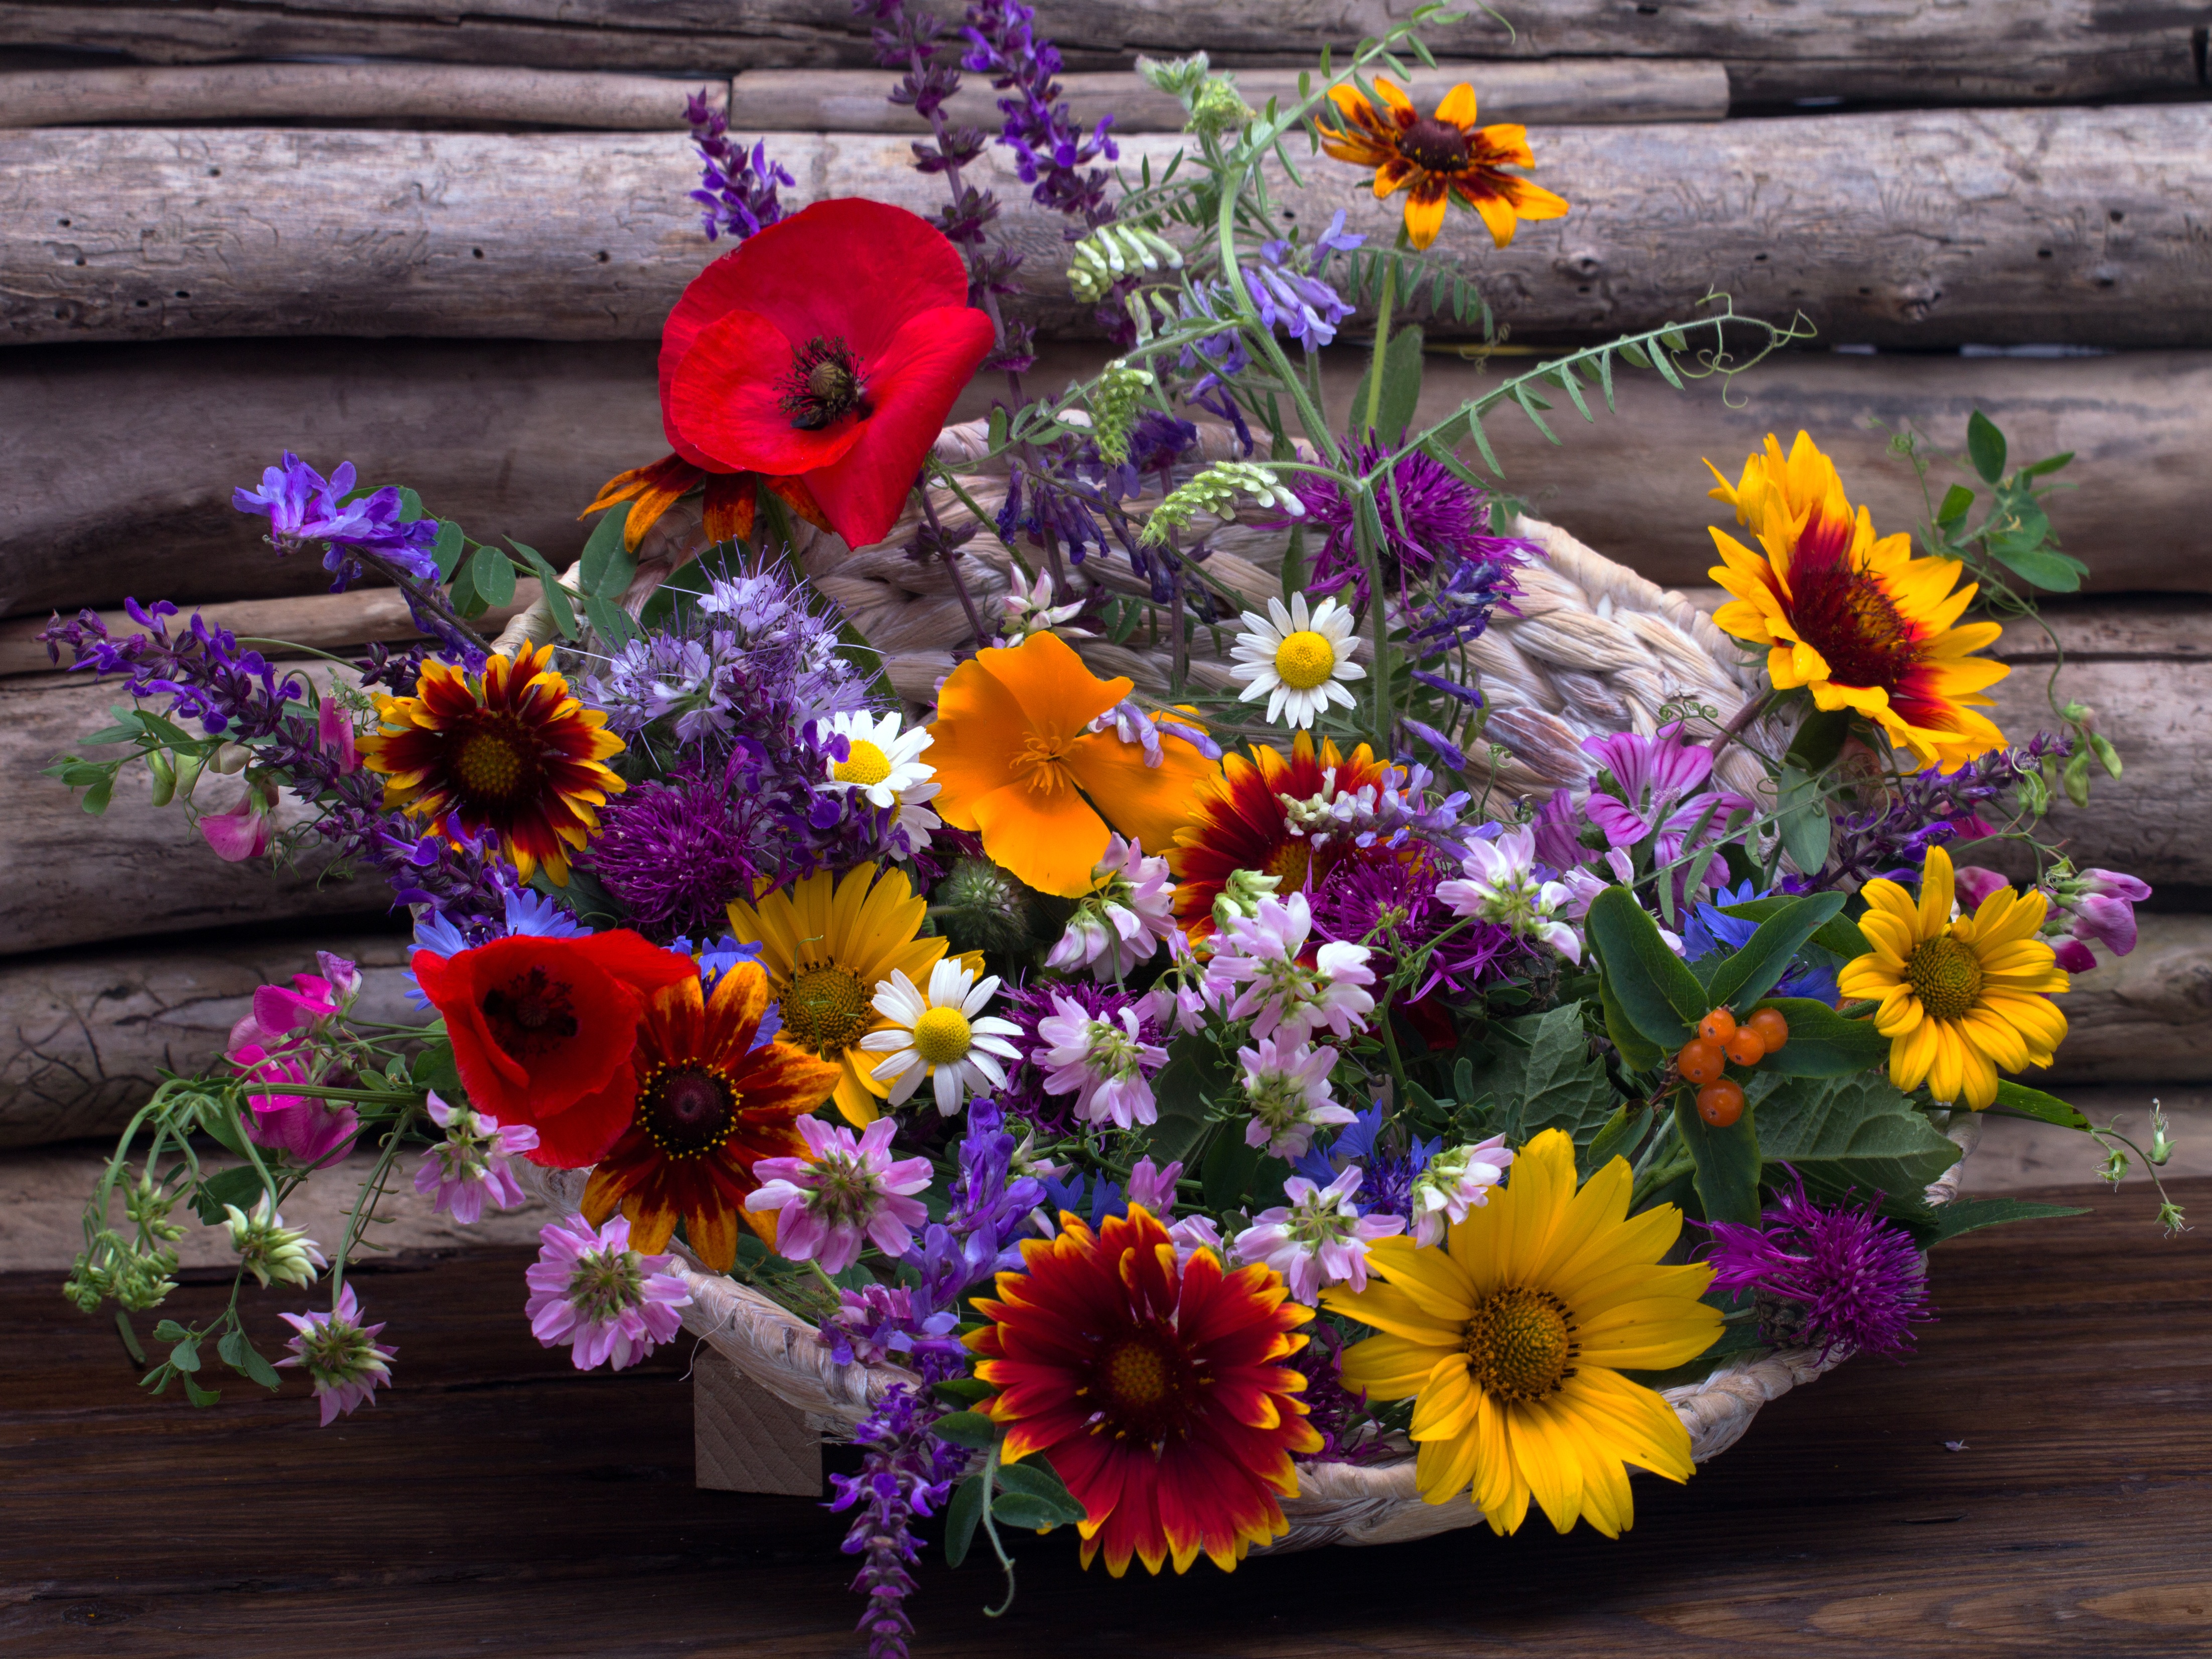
(940, 1035)
(884, 763)
(1298, 663)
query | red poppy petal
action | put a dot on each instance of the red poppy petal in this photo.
(912, 385)
(728, 398)
(637, 962)
(584, 1134)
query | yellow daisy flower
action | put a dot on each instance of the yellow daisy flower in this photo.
(1960, 1000)
(827, 944)
(1511, 1339)
(1856, 619)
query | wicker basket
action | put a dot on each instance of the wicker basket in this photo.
(1594, 648)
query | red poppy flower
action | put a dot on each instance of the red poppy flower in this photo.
(542, 1030)
(828, 349)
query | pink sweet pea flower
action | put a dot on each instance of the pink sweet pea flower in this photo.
(313, 1130)
(239, 833)
(334, 735)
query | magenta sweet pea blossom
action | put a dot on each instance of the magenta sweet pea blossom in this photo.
(845, 1193)
(590, 1290)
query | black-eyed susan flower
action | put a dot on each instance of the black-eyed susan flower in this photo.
(1960, 1000)
(1512, 1339)
(1854, 618)
(1440, 157)
(506, 750)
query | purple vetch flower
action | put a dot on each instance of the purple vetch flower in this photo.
(1319, 1238)
(846, 1192)
(1857, 1282)
(590, 1290)
(1932, 809)
(340, 1355)
(303, 507)
(736, 189)
(1286, 286)
(472, 1165)
(878, 1323)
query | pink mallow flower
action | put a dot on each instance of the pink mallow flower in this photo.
(1123, 920)
(1286, 1085)
(470, 1167)
(845, 1192)
(1283, 997)
(591, 1291)
(1975, 883)
(340, 1355)
(1104, 1066)
(1451, 1183)
(1659, 777)
(1319, 1238)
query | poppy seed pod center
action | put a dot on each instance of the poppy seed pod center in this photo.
(824, 384)
(1437, 145)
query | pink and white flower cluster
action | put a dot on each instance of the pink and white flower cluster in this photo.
(1452, 1182)
(1501, 888)
(471, 1166)
(846, 1193)
(1256, 970)
(1319, 1238)
(1107, 1067)
(1122, 922)
(590, 1290)
(1286, 1085)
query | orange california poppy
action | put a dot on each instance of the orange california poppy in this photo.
(710, 1105)
(1012, 747)
(1440, 156)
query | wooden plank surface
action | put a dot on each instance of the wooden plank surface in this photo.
(1993, 51)
(1923, 229)
(496, 1501)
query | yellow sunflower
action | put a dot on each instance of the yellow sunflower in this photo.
(1511, 1339)
(1856, 619)
(507, 750)
(1960, 1000)
(827, 944)
(1442, 157)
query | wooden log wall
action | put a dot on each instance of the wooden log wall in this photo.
(446, 258)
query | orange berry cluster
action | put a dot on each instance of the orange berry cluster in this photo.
(1704, 1058)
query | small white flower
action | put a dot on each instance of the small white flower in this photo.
(883, 762)
(1030, 609)
(940, 1036)
(1501, 888)
(1298, 662)
(270, 1250)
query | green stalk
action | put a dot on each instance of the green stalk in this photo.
(1383, 305)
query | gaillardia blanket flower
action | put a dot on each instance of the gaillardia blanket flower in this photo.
(507, 750)
(1157, 1390)
(1512, 1339)
(1442, 157)
(1960, 1000)
(1856, 619)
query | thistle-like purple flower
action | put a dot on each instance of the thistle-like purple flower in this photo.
(1390, 902)
(1852, 1280)
(675, 856)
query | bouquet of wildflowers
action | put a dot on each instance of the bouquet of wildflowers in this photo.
(1172, 1091)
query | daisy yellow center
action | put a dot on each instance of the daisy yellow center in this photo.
(686, 1107)
(825, 1009)
(1520, 1343)
(864, 764)
(1438, 145)
(1946, 975)
(942, 1037)
(1304, 660)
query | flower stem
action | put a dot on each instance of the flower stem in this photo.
(1373, 416)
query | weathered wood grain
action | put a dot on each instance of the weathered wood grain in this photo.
(124, 456)
(1560, 92)
(1924, 229)
(1994, 50)
(347, 91)
(2145, 1017)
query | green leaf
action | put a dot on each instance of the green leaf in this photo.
(464, 591)
(1822, 1042)
(1986, 445)
(434, 1068)
(243, 1358)
(610, 622)
(2047, 568)
(2033, 1102)
(557, 597)
(607, 568)
(1564, 1085)
(1848, 1132)
(1839, 935)
(962, 1390)
(1728, 1162)
(1622, 1134)
(446, 549)
(1179, 1091)
(1803, 821)
(240, 1186)
(1751, 972)
(1035, 1479)
(185, 1355)
(970, 1429)
(962, 1517)
(1819, 739)
(411, 506)
(1655, 993)
(2048, 463)
(198, 1395)
(491, 573)
(1402, 386)
(1968, 1215)
(1636, 1054)
(97, 797)
(169, 1331)
(1228, 1167)
(1530, 404)
(1636, 354)
(1956, 501)
(1018, 1509)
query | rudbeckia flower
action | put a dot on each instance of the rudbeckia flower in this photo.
(1442, 157)
(1157, 1388)
(541, 1030)
(1960, 1000)
(1856, 619)
(711, 1104)
(1022, 768)
(507, 750)
(1511, 1339)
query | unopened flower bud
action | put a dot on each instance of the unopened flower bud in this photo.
(270, 1250)
(1241, 893)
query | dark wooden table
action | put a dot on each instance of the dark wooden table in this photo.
(497, 1502)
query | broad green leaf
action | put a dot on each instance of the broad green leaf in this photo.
(970, 1429)
(2033, 1102)
(1819, 739)
(1728, 1162)
(1402, 386)
(557, 597)
(1180, 1092)
(446, 549)
(1622, 1134)
(492, 574)
(242, 1357)
(1751, 972)
(610, 622)
(1967, 1215)
(1661, 997)
(411, 506)
(240, 1186)
(1822, 1042)
(2047, 568)
(1639, 1054)
(1851, 1133)
(1228, 1168)
(1986, 445)
(1956, 501)
(1839, 935)
(607, 569)
(1564, 1085)
(962, 1390)
(1034, 1479)
(1018, 1509)
(962, 1517)
(1803, 822)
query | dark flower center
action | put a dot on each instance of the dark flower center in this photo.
(1844, 614)
(686, 1109)
(1433, 145)
(1143, 1385)
(824, 385)
(530, 1016)
(495, 759)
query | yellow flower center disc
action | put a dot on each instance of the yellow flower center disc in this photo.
(1519, 1344)
(941, 1036)
(1304, 660)
(865, 765)
(1946, 977)
(826, 1009)
(1135, 1375)
(488, 765)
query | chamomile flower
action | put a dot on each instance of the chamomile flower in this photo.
(884, 763)
(1298, 662)
(942, 1035)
